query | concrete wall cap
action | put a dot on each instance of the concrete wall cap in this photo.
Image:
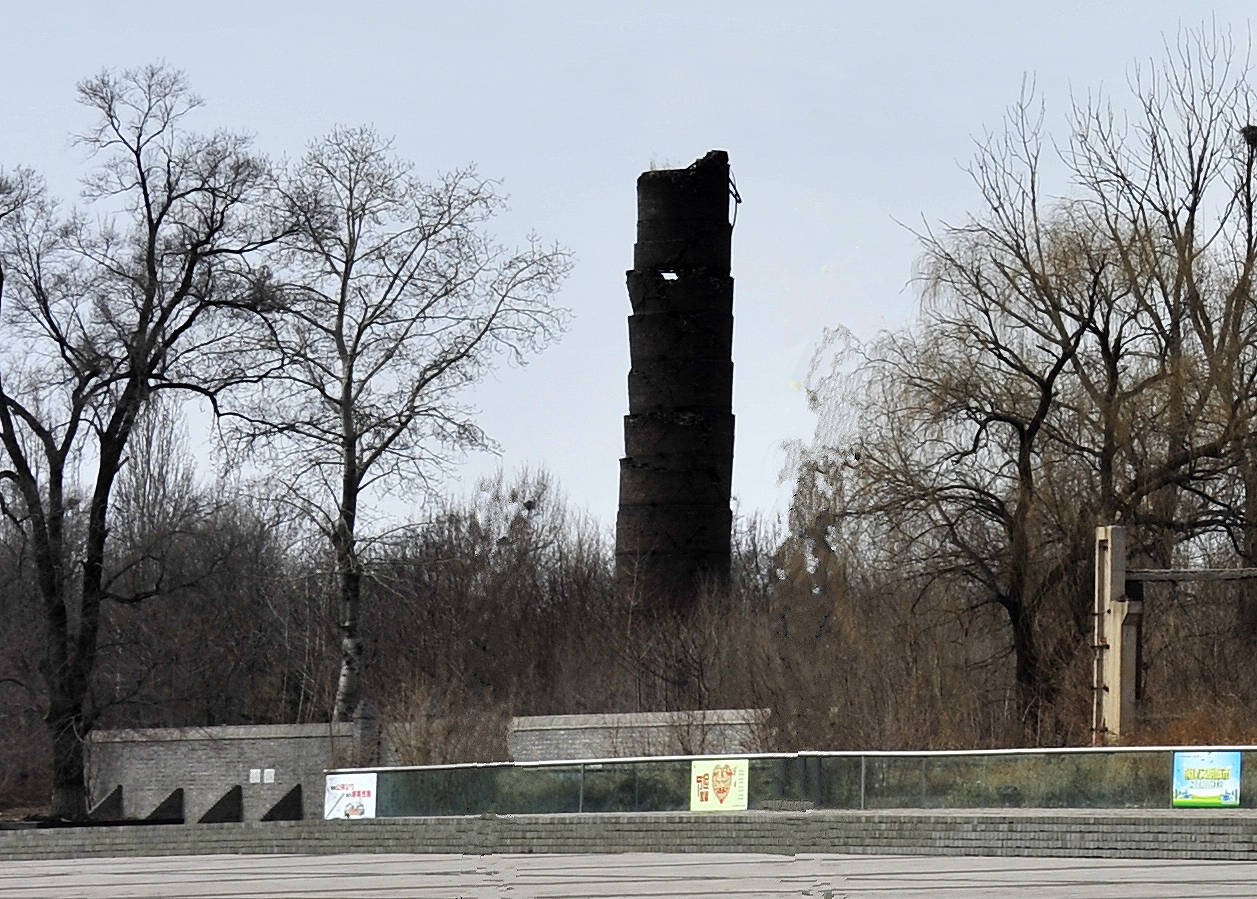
(227, 732)
(697, 717)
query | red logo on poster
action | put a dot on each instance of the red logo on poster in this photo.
(722, 781)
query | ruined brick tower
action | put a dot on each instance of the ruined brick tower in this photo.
(673, 527)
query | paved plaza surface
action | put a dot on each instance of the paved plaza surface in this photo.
(629, 874)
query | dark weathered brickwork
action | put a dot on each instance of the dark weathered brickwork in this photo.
(673, 528)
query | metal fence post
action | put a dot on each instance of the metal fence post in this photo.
(862, 783)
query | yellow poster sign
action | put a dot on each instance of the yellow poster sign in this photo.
(718, 785)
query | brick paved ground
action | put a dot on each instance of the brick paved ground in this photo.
(627, 875)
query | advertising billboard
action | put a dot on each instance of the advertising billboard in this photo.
(1206, 779)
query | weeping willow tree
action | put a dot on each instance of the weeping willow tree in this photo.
(1086, 352)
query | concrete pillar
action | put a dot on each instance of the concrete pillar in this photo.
(1118, 629)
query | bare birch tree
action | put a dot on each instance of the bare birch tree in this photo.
(395, 300)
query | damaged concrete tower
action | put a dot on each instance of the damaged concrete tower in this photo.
(674, 523)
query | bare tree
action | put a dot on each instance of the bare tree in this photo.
(98, 313)
(1167, 191)
(1085, 353)
(395, 300)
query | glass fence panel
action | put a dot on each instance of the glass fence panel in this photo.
(538, 790)
(1248, 780)
(893, 781)
(1018, 781)
(473, 791)
(637, 787)
(1102, 779)
(959, 782)
(803, 782)
(1030, 780)
(840, 781)
(434, 792)
(775, 783)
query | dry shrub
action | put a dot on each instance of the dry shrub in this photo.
(1211, 724)
(1199, 686)
(25, 781)
(423, 723)
(864, 665)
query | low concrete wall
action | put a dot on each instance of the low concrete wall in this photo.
(1195, 833)
(208, 761)
(707, 732)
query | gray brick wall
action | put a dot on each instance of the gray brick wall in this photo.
(710, 732)
(206, 762)
(1194, 833)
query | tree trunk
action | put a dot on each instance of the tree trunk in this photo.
(349, 576)
(70, 674)
(1032, 683)
(1032, 687)
(349, 684)
(69, 787)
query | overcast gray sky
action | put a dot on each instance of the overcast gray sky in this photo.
(841, 121)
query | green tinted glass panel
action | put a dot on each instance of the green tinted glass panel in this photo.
(1047, 779)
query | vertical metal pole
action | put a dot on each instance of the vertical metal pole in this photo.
(861, 783)
(580, 800)
(1129, 613)
(1135, 623)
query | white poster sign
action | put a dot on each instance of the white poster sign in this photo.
(718, 785)
(350, 795)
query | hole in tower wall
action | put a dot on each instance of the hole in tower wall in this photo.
(669, 276)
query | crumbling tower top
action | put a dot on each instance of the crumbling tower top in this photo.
(683, 217)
